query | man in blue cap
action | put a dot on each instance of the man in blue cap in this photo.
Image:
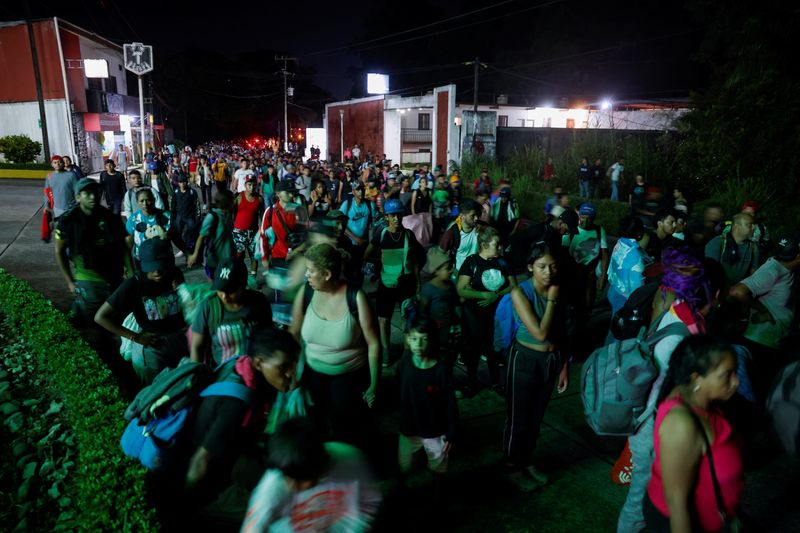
(589, 248)
(401, 256)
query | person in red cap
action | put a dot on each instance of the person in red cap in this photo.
(62, 184)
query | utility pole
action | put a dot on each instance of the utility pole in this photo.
(475, 103)
(38, 79)
(285, 74)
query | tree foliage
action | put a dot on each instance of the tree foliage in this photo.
(745, 124)
(19, 148)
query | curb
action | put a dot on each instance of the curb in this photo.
(23, 174)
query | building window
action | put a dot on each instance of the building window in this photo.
(111, 84)
(95, 83)
(424, 121)
(570, 122)
(502, 121)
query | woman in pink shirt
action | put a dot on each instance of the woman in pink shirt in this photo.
(695, 448)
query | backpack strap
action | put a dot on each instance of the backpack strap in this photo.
(351, 296)
(231, 390)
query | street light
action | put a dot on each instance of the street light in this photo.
(606, 104)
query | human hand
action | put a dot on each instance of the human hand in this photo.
(759, 317)
(447, 447)
(72, 288)
(563, 379)
(191, 260)
(147, 339)
(369, 396)
(552, 292)
(487, 299)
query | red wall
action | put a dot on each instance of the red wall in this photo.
(17, 84)
(363, 125)
(71, 46)
(442, 127)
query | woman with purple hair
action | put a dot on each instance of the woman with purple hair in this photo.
(685, 296)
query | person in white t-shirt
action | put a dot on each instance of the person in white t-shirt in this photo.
(616, 173)
(241, 175)
(312, 485)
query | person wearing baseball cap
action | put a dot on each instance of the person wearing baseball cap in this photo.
(588, 247)
(61, 183)
(767, 296)
(95, 239)
(280, 221)
(228, 320)
(399, 253)
(504, 214)
(153, 299)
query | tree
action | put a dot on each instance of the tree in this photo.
(20, 148)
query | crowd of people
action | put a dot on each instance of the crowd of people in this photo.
(449, 259)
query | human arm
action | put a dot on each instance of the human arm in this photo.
(742, 294)
(370, 331)
(298, 313)
(104, 318)
(413, 203)
(605, 259)
(198, 245)
(312, 203)
(63, 264)
(538, 328)
(681, 450)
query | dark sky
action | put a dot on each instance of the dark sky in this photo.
(535, 51)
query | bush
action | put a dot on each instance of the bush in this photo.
(25, 166)
(109, 488)
(20, 148)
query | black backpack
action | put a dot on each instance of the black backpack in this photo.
(352, 299)
(171, 390)
(628, 321)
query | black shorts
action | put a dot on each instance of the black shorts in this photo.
(388, 297)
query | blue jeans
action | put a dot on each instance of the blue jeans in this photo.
(615, 190)
(584, 185)
(631, 518)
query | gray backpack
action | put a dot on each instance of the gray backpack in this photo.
(783, 405)
(617, 379)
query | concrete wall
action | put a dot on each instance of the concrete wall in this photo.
(22, 118)
(17, 83)
(363, 125)
(392, 134)
(93, 50)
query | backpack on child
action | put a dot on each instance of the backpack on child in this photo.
(161, 410)
(616, 380)
(506, 320)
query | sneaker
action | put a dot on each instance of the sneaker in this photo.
(536, 475)
(179, 254)
(522, 481)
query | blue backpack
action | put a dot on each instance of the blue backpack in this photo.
(506, 320)
(153, 436)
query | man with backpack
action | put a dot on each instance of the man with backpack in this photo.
(360, 218)
(186, 213)
(129, 204)
(400, 255)
(460, 239)
(735, 250)
(279, 230)
(588, 248)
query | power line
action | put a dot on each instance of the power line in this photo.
(410, 30)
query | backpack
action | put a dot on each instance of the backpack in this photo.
(351, 296)
(161, 410)
(617, 379)
(627, 322)
(783, 405)
(506, 320)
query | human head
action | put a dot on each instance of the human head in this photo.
(156, 258)
(631, 227)
(146, 200)
(57, 163)
(67, 160)
(423, 183)
(437, 263)
(230, 280)
(542, 264)
(135, 177)
(788, 250)
(564, 220)
(183, 181)
(393, 210)
(586, 215)
(324, 265)
(705, 366)
(244, 163)
(505, 194)
(665, 221)
(223, 200)
(639, 179)
(274, 353)
(298, 451)
(87, 194)
(470, 211)
(685, 276)
(109, 164)
(489, 242)
(750, 207)
(417, 335)
(743, 227)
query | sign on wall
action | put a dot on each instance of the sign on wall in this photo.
(138, 58)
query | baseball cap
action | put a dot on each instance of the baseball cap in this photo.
(182, 177)
(84, 183)
(156, 254)
(505, 191)
(788, 247)
(230, 276)
(587, 210)
(285, 186)
(393, 207)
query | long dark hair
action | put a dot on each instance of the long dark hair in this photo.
(696, 354)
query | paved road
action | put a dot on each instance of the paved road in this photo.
(580, 497)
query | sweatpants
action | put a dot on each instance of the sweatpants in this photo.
(631, 518)
(477, 332)
(530, 379)
(339, 407)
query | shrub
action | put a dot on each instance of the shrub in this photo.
(20, 148)
(25, 166)
(109, 488)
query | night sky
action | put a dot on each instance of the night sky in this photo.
(535, 51)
